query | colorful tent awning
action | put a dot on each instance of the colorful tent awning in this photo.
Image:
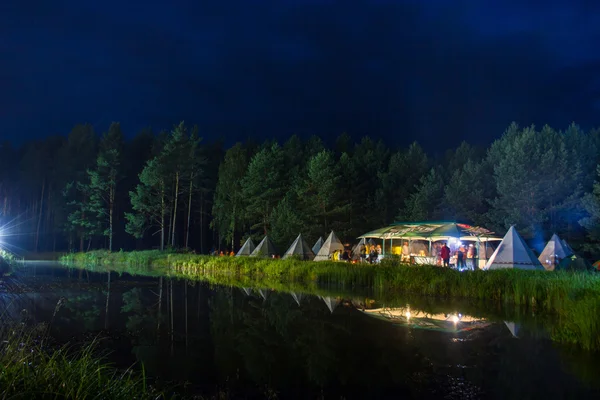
(440, 230)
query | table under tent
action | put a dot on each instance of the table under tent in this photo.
(420, 242)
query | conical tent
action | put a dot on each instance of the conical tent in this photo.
(246, 249)
(317, 245)
(513, 253)
(264, 249)
(566, 246)
(300, 249)
(263, 293)
(356, 249)
(574, 263)
(553, 253)
(331, 244)
(331, 303)
(247, 291)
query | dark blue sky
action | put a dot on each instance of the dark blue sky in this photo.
(435, 71)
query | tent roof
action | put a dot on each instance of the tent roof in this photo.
(300, 248)
(331, 244)
(436, 230)
(247, 248)
(554, 251)
(265, 248)
(317, 246)
(513, 252)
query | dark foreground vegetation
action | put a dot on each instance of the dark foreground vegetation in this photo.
(173, 190)
(571, 299)
(30, 368)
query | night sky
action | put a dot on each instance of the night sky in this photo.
(435, 71)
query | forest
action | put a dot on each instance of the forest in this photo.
(177, 189)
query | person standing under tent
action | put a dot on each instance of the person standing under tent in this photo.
(460, 258)
(474, 261)
(445, 254)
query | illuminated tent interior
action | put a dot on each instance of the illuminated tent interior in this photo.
(452, 232)
(554, 252)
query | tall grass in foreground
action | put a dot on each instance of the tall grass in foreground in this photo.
(572, 298)
(31, 370)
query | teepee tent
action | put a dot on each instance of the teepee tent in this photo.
(331, 244)
(246, 249)
(574, 262)
(317, 245)
(356, 249)
(513, 253)
(300, 249)
(264, 249)
(247, 291)
(566, 246)
(553, 253)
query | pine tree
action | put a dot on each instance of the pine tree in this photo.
(322, 203)
(149, 201)
(425, 203)
(229, 203)
(104, 178)
(263, 186)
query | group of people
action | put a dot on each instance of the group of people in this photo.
(465, 256)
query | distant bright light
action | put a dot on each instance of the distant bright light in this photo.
(408, 315)
(455, 319)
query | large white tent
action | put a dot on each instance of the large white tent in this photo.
(265, 248)
(331, 244)
(553, 253)
(300, 249)
(246, 249)
(513, 252)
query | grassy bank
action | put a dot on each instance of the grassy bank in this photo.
(30, 370)
(573, 299)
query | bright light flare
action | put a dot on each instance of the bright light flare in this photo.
(455, 319)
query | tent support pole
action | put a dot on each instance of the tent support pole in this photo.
(383, 249)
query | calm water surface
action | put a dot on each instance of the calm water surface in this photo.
(255, 342)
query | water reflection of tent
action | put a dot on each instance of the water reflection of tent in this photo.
(265, 248)
(512, 252)
(513, 328)
(331, 244)
(263, 293)
(300, 249)
(247, 248)
(297, 297)
(331, 302)
(554, 251)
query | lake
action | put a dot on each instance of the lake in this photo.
(260, 343)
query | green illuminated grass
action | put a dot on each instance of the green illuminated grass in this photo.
(571, 299)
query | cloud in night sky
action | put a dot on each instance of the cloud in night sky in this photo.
(434, 71)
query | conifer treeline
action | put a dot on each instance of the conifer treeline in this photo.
(174, 189)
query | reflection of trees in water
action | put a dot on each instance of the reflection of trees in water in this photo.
(83, 308)
(304, 348)
(141, 319)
